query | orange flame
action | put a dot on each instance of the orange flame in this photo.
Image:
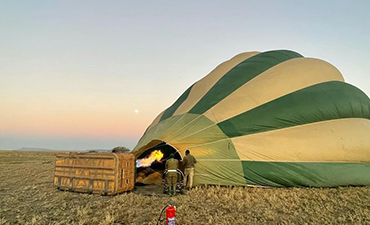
(156, 155)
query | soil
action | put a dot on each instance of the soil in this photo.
(27, 196)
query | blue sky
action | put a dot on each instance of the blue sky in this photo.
(72, 73)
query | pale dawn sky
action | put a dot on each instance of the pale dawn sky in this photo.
(94, 74)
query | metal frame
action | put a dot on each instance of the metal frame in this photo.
(180, 183)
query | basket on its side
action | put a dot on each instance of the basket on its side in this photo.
(103, 173)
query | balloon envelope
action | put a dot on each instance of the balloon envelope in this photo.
(273, 118)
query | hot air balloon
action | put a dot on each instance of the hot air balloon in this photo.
(273, 118)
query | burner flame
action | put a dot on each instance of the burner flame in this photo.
(156, 155)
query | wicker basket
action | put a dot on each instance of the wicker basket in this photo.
(103, 173)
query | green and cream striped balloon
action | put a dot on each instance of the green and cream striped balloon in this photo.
(273, 118)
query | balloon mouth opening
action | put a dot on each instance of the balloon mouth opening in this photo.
(156, 167)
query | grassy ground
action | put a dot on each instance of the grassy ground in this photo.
(27, 196)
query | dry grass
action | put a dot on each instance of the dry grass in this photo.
(27, 196)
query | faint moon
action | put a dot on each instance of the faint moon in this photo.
(136, 111)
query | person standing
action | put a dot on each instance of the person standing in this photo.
(188, 162)
(172, 165)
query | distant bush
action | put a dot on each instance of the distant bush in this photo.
(120, 149)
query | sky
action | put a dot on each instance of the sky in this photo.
(78, 75)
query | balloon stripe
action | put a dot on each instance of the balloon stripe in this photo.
(202, 86)
(325, 101)
(280, 80)
(333, 140)
(303, 174)
(169, 112)
(239, 75)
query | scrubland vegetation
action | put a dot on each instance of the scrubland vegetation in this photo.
(27, 196)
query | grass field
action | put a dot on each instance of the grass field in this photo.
(27, 196)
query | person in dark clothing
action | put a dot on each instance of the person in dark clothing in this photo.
(172, 165)
(188, 162)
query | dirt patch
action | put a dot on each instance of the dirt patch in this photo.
(150, 190)
(27, 196)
